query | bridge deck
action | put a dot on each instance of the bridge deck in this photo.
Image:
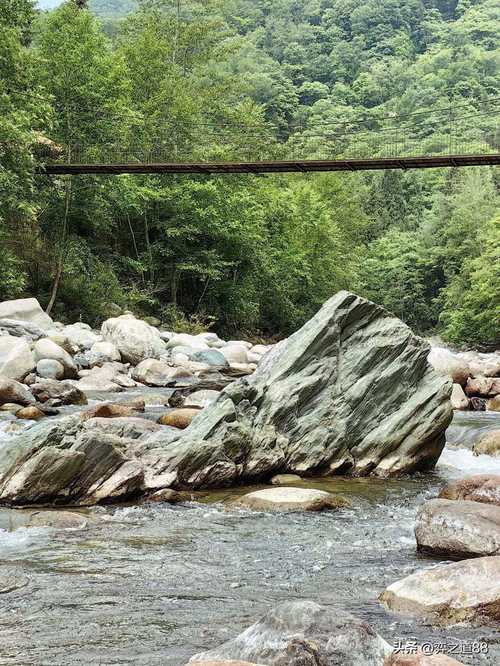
(301, 166)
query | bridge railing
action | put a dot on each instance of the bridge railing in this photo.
(447, 131)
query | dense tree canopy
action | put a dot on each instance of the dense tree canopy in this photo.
(242, 253)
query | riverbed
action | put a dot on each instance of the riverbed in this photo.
(154, 584)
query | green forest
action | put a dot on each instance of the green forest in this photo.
(242, 253)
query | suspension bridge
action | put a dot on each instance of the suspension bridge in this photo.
(458, 136)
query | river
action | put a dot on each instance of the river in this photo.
(154, 584)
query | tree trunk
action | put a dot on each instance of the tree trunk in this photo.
(60, 262)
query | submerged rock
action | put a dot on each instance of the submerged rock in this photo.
(298, 633)
(283, 479)
(458, 529)
(290, 499)
(467, 591)
(479, 488)
(108, 410)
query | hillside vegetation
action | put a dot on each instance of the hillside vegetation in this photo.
(245, 253)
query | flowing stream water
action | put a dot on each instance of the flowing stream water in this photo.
(154, 584)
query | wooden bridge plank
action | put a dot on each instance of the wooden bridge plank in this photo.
(279, 166)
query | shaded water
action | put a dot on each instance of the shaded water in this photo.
(154, 584)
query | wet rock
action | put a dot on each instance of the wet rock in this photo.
(201, 399)
(170, 496)
(31, 413)
(350, 392)
(298, 633)
(50, 369)
(107, 410)
(15, 392)
(421, 659)
(60, 393)
(458, 529)
(458, 398)
(57, 519)
(26, 310)
(467, 591)
(488, 444)
(46, 349)
(493, 405)
(283, 479)
(16, 357)
(290, 499)
(157, 373)
(479, 488)
(22, 329)
(179, 418)
(103, 352)
(135, 339)
(450, 365)
(130, 427)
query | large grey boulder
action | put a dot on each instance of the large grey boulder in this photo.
(467, 591)
(135, 339)
(16, 357)
(26, 309)
(298, 633)
(350, 392)
(458, 528)
(81, 336)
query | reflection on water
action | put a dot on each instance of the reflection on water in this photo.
(153, 584)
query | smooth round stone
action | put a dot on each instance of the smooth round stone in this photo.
(290, 499)
(283, 479)
(179, 418)
(30, 413)
(49, 368)
(211, 357)
(488, 444)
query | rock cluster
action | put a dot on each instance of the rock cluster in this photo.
(464, 522)
(475, 376)
(350, 392)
